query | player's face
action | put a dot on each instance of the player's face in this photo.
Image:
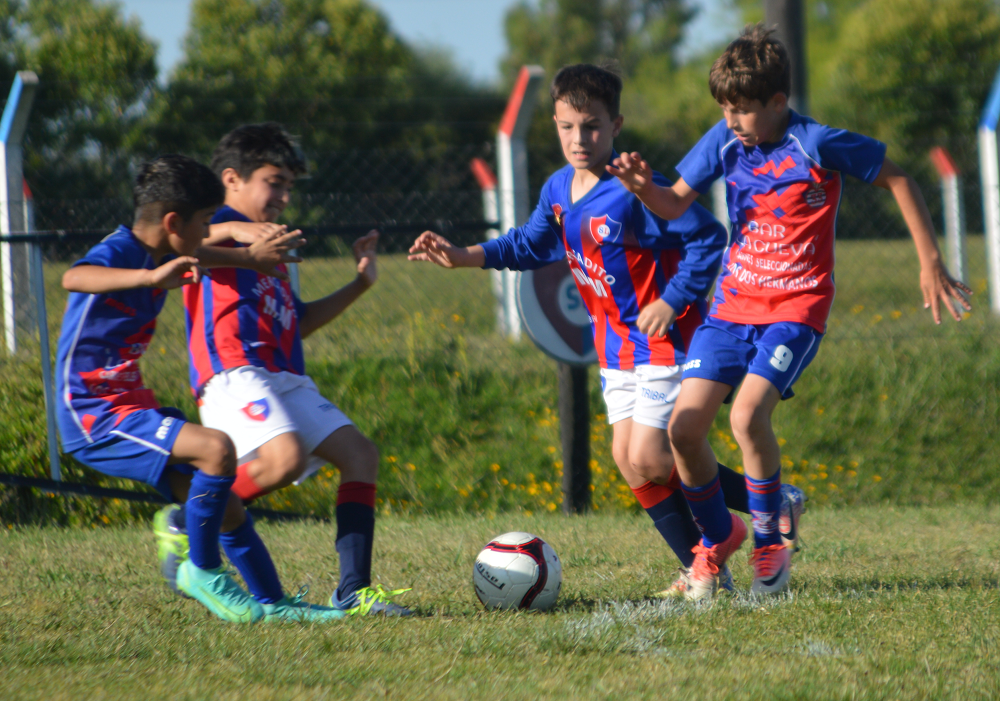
(264, 196)
(587, 136)
(186, 236)
(756, 123)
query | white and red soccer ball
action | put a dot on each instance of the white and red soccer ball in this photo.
(517, 571)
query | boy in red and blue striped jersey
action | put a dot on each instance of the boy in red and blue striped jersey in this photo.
(245, 333)
(643, 280)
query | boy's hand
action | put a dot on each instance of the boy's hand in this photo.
(938, 286)
(175, 273)
(633, 172)
(251, 232)
(655, 318)
(437, 249)
(365, 254)
(267, 252)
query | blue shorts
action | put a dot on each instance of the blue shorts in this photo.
(138, 449)
(724, 351)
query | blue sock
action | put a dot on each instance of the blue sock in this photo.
(734, 487)
(247, 552)
(355, 535)
(708, 506)
(765, 507)
(671, 517)
(205, 507)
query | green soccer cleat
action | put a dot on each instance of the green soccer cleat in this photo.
(172, 545)
(219, 593)
(371, 601)
(295, 609)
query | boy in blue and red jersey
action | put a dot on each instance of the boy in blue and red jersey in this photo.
(245, 333)
(783, 175)
(643, 280)
(111, 422)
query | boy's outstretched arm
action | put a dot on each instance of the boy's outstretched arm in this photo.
(244, 232)
(935, 282)
(636, 176)
(263, 255)
(97, 279)
(324, 310)
(437, 249)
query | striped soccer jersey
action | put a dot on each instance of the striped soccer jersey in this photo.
(236, 317)
(103, 336)
(783, 199)
(622, 257)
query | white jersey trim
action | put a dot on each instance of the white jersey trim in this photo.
(69, 363)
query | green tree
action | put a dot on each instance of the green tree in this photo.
(97, 71)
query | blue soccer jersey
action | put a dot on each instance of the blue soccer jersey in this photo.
(103, 337)
(783, 199)
(622, 257)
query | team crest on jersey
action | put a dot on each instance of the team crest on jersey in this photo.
(605, 229)
(558, 211)
(815, 196)
(257, 410)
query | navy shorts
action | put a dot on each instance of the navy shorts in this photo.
(724, 351)
(138, 449)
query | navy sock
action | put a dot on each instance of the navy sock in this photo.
(355, 535)
(708, 507)
(247, 552)
(765, 507)
(734, 489)
(206, 505)
(671, 517)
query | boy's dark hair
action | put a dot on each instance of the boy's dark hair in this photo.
(253, 146)
(753, 67)
(583, 83)
(175, 183)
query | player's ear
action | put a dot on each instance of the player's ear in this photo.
(617, 125)
(231, 179)
(172, 222)
(778, 102)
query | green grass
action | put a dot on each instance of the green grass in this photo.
(894, 408)
(885, 603)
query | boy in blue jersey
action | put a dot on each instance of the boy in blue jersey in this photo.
(783, 185)
(111, 422)
(643, 280)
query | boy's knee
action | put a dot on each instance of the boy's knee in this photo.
(220, 454)
(746, 421)
(683, 434)
(282, 458)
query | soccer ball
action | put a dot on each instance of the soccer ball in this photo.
(517, 571)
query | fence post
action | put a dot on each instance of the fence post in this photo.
(488, 184)
(954, 209)
(512, 161)
(14, 263)
(37, 276)
(989, 174)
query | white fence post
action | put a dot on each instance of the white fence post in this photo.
(954, 210)
(488, 184)
(989, 174)
(14, 262)
(512, 161)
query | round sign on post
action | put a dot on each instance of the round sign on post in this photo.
(554, 314)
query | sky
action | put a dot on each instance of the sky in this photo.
(472, 30)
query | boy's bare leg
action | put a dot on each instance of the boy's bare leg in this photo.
(279, 462)
(751, 422)
(698, 403)
(642, 453)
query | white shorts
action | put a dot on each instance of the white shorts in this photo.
(645, 394)
(254, 405)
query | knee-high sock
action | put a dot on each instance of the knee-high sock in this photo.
(671, 516)
(247, 552)
(203, 512)
(244, 487)
(765, 507)
(709, 510)
(355, 534)
(734, 489)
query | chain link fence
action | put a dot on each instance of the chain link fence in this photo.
(464, 419)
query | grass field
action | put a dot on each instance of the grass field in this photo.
(886, 603)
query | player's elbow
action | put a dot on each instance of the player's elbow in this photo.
(71, 280)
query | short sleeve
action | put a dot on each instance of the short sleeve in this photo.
(847, 152)
(107, 255)
(702, 166)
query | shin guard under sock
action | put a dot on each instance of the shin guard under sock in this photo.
(247, 552)
(708, 507)
(355, 534)
(765, 508)
(671, 516)
(203, 512)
